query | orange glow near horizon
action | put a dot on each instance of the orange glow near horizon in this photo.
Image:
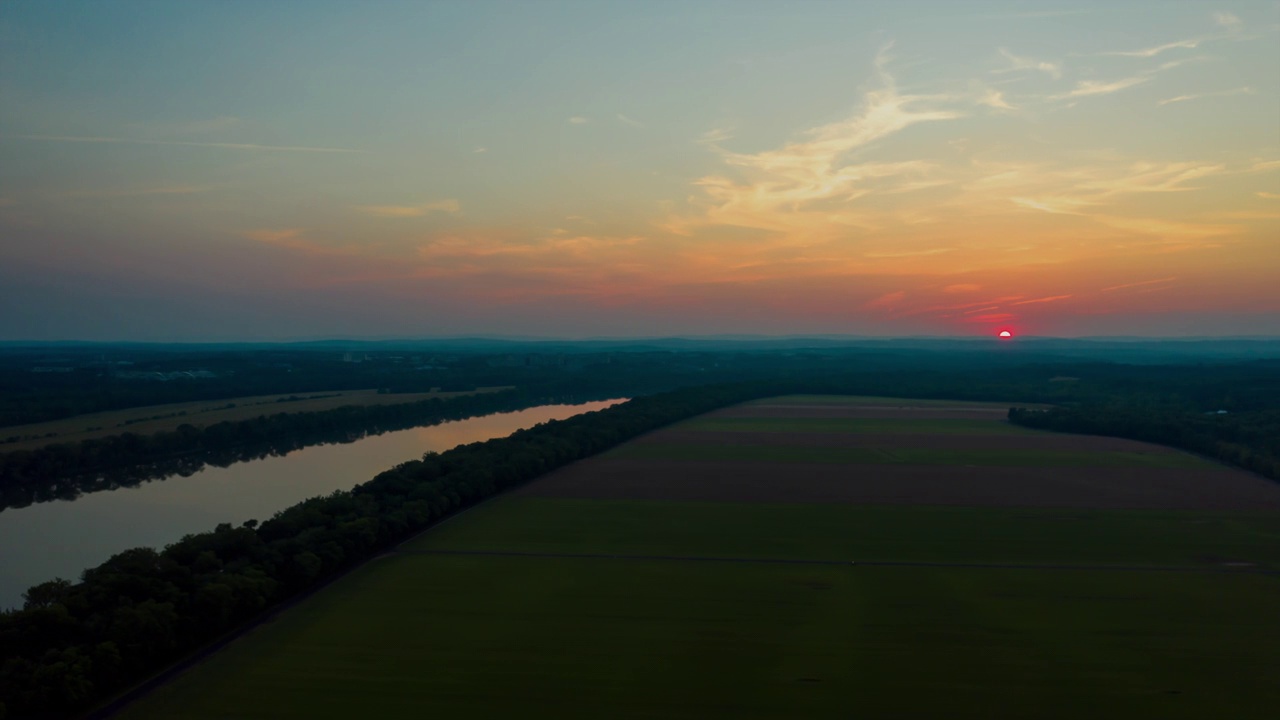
(964, 177)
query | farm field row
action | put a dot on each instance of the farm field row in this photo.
(877, 401)
(717, 585)
(841, 532)
(698, 452)
(860, 425)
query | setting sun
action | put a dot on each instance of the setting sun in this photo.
(599, 269)
(633, 169)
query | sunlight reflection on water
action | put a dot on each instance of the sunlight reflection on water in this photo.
(61, 538)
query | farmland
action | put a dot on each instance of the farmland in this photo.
(802, 557)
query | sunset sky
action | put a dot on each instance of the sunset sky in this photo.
(289, 170)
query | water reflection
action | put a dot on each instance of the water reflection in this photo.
(52, 539)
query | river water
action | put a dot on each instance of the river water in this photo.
(62, 538)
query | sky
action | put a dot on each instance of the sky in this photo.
(295, 170)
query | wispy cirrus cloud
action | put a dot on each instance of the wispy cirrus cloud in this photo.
(886, 301)
(993, 318)
(629, 121)
(579, 120)
(1018, 63)
(181, 143)
(996, 309)
(1228, 20)
(715, 135)
(1163, 228)
(909, 253)
(273, 237)
(836, 200)
(1141, 284)
(296, 240)
(805, 187)
(995, 99)
(1086, 88)
(1148, 177)
(1191, 44)
(1059, 205)
(1198, 96)
(1036, 301)
(409, 211)
(1079, 190)
(962, 308)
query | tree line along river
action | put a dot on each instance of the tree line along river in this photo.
(62, 538)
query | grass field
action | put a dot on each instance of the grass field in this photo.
(160, 418)
(864, 532)
(568, 600)
(600, 638)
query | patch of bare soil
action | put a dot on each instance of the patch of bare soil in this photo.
(1134, 487)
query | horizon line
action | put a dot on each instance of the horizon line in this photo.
(726, 337)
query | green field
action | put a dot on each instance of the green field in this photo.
(596, 638)
(861, 532)
(547, 606)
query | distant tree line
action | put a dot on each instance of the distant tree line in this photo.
(27, 397)
(1162, 403)
(64, 471)
(1249, 440)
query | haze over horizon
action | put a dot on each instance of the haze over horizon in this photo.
(277, 171)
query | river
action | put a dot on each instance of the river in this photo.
(62, 538)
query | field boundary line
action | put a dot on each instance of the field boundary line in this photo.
(1237, 570)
